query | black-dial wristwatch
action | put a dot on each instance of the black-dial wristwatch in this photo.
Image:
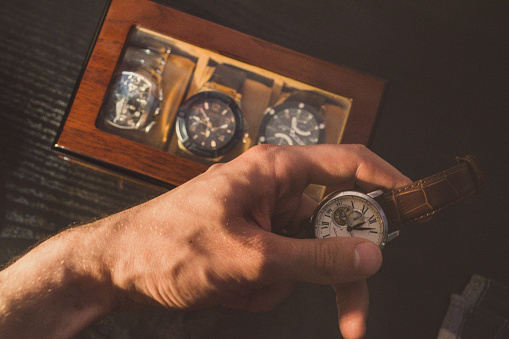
(295, 121)
(135, 95)
(379, 216)
(210, 123)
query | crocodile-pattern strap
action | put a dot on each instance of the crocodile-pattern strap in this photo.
(426, 197)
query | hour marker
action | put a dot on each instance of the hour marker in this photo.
(213, 143)
(206, 105)
(372, 219)
(364, 209)
(224, 112)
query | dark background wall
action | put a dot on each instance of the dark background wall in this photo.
(447, 67)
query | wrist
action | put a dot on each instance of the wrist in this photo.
(60, 287)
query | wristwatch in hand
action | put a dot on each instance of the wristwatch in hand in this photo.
(295, 121)
(379, 216)
(135, 95)
(210, 123)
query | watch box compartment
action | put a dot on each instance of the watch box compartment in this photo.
(158, 81)
(123, 128)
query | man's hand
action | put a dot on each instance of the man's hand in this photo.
(211, 242)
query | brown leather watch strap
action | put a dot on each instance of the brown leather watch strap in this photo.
(426, 197)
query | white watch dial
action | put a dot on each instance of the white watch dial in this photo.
(351, 214)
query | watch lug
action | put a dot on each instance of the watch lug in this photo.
(392, 236)
(375, 194)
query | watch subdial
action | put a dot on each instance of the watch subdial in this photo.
(341, 215)
(292, 124)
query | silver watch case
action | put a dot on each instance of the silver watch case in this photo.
(370, 197)
(134, 100)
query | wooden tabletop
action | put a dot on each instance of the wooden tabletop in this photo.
(446, 65)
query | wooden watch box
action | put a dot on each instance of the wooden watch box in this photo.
(83, 139)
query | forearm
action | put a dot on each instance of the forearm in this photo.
(203, 244)
(58, 288)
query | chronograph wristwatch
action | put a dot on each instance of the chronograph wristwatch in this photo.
(210, 123)
(295, 121)
(135, 94)
(379, 216)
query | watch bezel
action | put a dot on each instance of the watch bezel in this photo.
(268, 116)
(367, 197)
(182, 124)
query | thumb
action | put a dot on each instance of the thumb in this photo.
(327, 261)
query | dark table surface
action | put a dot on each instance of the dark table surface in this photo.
(447, 65)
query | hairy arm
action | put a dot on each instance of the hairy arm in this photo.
(205, 243)
(57, 287)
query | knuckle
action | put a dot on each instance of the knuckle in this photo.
(257, 157)
(215, 167)
(359, 149)
(261, 150)
(261, 252)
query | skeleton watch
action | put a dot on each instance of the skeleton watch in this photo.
(379, 216)
(135, 94)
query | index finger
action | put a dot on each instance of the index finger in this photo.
(336, 165)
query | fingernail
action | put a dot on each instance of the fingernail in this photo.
(368, 258)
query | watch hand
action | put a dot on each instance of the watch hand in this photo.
(284, 137)
(198, 120)
(294, 124)
(349, 229)
(300, 132)
(296, 137)
(220, 127)
(358, 223)
(295, 129)
(202, 111)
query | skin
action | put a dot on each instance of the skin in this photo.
(208, 242)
